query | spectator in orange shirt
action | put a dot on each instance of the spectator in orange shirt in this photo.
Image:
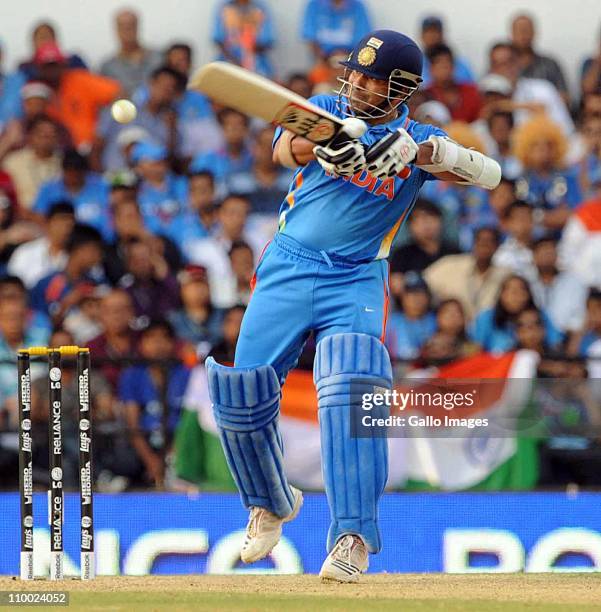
(462, 99)
(79, 94)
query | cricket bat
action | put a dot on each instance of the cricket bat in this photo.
(257, 96)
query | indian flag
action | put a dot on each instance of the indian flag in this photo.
(491, 458)
(463, 461)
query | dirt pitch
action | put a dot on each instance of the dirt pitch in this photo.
(406, 592)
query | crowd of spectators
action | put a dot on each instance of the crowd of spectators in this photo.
(140, 240)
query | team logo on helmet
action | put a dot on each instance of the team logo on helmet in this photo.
(374, 42)
(367, 56)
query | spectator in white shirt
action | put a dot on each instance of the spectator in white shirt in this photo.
(560, 294)
(515, 253)
(213, 252)
(34, 260)
(37, 162)
(528, 95)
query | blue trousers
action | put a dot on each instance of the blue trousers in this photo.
(298, 291)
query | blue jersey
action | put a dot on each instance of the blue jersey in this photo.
(91, 202)
(137, 385)
(185, 229)
(161, 207)
(335, 28)
(355, 218)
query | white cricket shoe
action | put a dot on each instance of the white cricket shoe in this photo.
(264, 530)
(347, 561)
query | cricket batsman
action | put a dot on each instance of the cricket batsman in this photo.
(326, 272)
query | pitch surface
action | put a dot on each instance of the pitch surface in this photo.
(407, 592)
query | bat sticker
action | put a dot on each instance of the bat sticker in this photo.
(306, 123)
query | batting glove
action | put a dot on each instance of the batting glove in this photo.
(389, 156)
(345, 159)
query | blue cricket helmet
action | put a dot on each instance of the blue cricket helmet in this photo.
(379, 53)
(388, 56)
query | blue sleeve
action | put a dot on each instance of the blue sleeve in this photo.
(194, 105)
(44, 198)
(463, 72)
(553, 336)
(420, 132)
(325, 101)
(265, 37)
(140, 96)
(181, 189)
(203, 161)
(218, 35)
(574, 194)
(309, 26)
(37, 298)
(362, 23)
(10, 101)
(128, 383)
(102, 192)
(276, 136)
(480, 328)
(105, 122)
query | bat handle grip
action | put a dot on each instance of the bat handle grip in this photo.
(343, 138)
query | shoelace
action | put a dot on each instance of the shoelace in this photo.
(255, 518)
(346, 546)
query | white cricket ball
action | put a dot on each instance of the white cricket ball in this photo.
(354, 127)
(123, 111)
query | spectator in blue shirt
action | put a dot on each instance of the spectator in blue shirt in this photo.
(198, 129)
(432, 35)
(157, 114)
(545, 183)
(334, 25)
(162, 195)
(152, 399)
(190, 104)
(495, 329)
(200, 217)
(88, 192)
(19, 327)
(233, 164)
(10, 93)
(466, 208)
(61, 292)
(271, 181)
(196, 322)
(243, 32)
(409, 329)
